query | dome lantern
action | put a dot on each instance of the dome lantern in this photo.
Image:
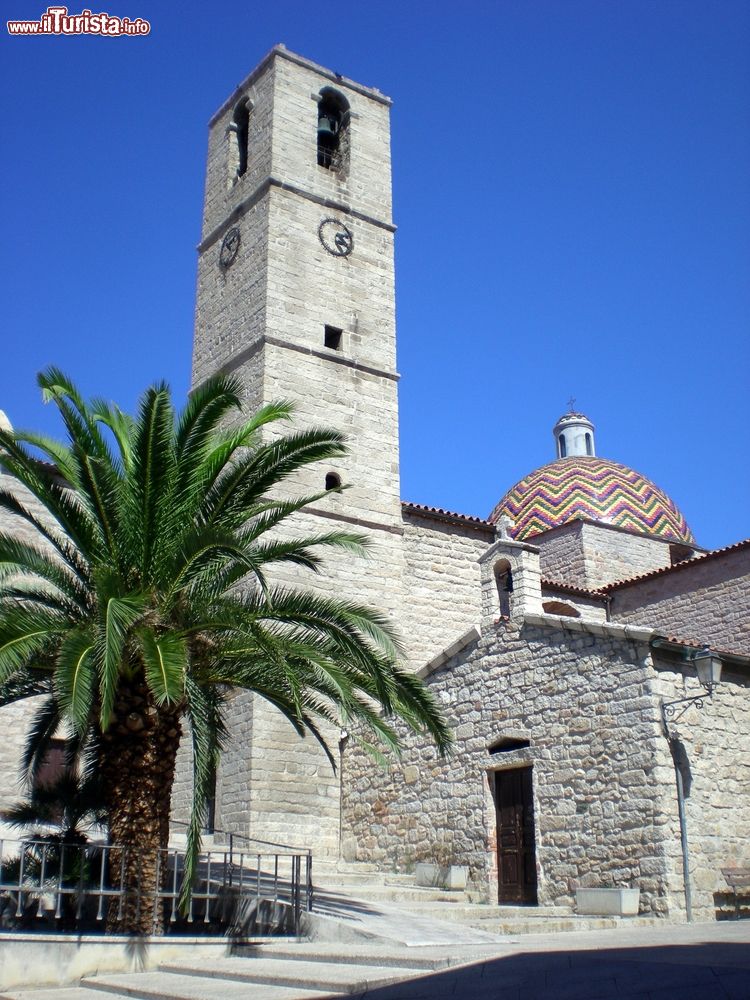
(574, 435)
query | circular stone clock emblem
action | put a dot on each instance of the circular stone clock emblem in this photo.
(335, 237)
(229, 247)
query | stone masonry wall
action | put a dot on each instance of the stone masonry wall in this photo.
(585, 703)
(224, 191)
(561, 554)
(612, 554)
(705, 601)
(15, 720)
(442, 593)
(591, 608)
(592, 555)
(712, 744)
(367, 185)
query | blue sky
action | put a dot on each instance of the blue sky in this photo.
(571, 190)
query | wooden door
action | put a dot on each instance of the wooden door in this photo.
(516, 862)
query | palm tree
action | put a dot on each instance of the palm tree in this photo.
(146, 601)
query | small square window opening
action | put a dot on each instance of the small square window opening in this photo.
(333, 338)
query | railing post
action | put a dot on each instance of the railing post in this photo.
(157, 889)
(100, 909)
(58, 905)
(173, 915)
(121, 892)
(79, 907)
(309, 883)
(207, 915)
(42, 878)
(19, 908)
(296, 887)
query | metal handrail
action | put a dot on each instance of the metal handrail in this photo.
(40, 870)
(290, 848)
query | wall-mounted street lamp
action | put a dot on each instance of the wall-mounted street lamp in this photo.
(708, 668)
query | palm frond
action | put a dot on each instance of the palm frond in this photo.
(165, 661)
(75, 678)
(18, 558)
(43, 482)
(59, 541)
(119, 616)
(25, 635)
(120, 424)
(149, 487)
(209, 737)
(55, 451)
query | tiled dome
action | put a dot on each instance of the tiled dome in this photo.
(588, 487)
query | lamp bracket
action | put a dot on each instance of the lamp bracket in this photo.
(671, 712)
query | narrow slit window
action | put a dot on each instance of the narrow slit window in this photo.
(588, 444)
(507, 744)
(563, 449)
(333, 338)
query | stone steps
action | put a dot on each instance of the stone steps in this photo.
(515, 920)
(265, 973)
(444, 908)
(379, 893)
(341, 879)
(403, 958)
(346, 867)
(462, 910)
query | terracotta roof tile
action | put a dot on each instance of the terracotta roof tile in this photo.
(568, 588)
(697, 644)
(440, 512)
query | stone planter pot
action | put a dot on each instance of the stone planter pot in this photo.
(608, 902)
(441, 876)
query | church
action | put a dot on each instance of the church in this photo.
(592, 659)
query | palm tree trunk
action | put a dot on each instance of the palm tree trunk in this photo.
(138, 755)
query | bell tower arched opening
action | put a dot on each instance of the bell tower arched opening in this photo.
(239, 139)
(333, 131)
(504, 584)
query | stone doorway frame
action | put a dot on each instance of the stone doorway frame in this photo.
(508, 761)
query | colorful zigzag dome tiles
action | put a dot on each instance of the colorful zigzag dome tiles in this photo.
(594, 489)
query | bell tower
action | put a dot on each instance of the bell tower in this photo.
(296, 295)
(295, 274)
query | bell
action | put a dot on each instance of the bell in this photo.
(327, 127)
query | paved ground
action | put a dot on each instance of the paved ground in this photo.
(696, 962)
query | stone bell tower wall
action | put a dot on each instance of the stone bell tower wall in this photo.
(303, 318)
